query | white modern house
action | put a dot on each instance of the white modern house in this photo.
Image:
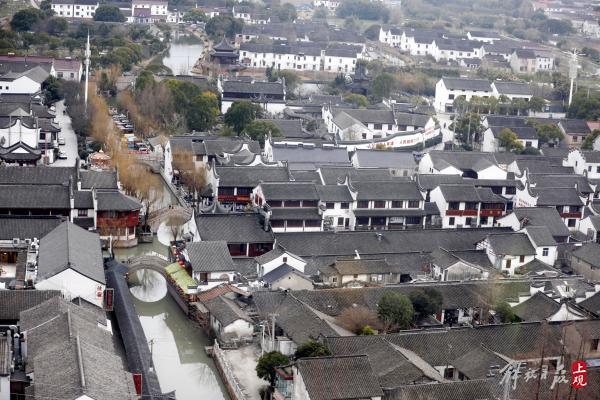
(70, 260)
(26, 80)
(585, 163)
(84, 9)
(449, 89)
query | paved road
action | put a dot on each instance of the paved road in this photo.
(66, 131)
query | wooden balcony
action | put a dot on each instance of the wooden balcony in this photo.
(491, 213)
(234, 198)
(459, 213)
(571, 214)
(118, 222)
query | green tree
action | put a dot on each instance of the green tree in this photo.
(584, 106)
(363, 9)
(372, 32)
(351, 23)
(382, 85)
(290, 78)
(46, 7)
(53, 90)
(395, 309)
(426, 302)
(265, 368)
(588, 142)
(194, 15)
(144, 79)
(356, 99)
(548, 133)
(24, 20)
(509, 140)
(536, 104)
(203, 112)
(505, 313)
(468, 128)
(260, 130)
(223, 25)
(285, 12)
(312, 348)
(366, 331)
(241, 113)
(108, 14)
(57, 26)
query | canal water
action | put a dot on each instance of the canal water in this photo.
(183, 53)
(177, 344)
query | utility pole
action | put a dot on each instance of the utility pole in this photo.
(572, 73)
(273, 316)
(88, 53)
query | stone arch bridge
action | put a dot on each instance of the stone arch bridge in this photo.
(152, 261)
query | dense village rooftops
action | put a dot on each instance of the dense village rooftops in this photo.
(514, 244)
(289, 191)
(463, 160)
(541, 236)
(207, 256)
(457, 44)
(505, 121)
(339, 377)
(37, 74)
(343, 50)
(13, 302)
(468, 192)
(70, 247)
(431, 181)
(395, 190)
(26, 227)
(332, 175)
(384, 159)
(368, 115)
(310, 157)
(561, 181)
(481, 85)
(36, 175)
(411, 119)
(233, 228)
(290, 128)
(591, 156)
(444, 258)
(212, 145)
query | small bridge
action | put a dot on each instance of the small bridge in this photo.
(175, 213)
(152, 161)
(153, 261)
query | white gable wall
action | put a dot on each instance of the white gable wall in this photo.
(72, 284)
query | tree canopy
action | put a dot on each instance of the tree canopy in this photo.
(426, 302)
(363, 9)
(395, 309)
(260, 130)
(194, 15)
(382, 85)
(241, 113)
(584, 107)
(548, 133)
(509, 140)
(24, 20)
(588, 142)
(312, 348)
(505, 313)
(285, 12)
(265, 368)
(223, 25)
(108, 14)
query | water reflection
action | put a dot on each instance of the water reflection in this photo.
(147, 285)
(183, 53)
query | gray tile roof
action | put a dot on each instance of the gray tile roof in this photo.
(295, 213)
(385, 159)
(334, 193)
(310, 156)
(368, 115)
(253, 87)
(13, 302)
(505, 120)
(462, 390)
(395, 190)
(592, 303)
(512, 88)
(33, 197)
(592, 156)
(541, 236)
(392, 241)
(69, 246)
(280, 272)
(84, 199)
(79, 374)
(462, 160)
(113, 200)
(467, 84)
(331, 175)
(26, 227)
(579, 126)
(250, 176)
(513, 244)
(296, 319)
(209, 256)
(98, 179)
(561, 181)
(477, 363)
(225, 310)
(36, 175)
(431, 181)
(589, 253)
(339, 377)
(538, 307)
(289, 191)
(232, 228)
(542, 216)
(290, 128)
(548, 196)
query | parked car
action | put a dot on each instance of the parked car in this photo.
(62, 155)
(61, 141)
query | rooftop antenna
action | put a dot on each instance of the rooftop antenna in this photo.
(87, 68)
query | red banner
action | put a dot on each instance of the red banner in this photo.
(137, 381)
(578, 374)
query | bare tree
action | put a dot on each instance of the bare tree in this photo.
(356, 318)
(175, 222)
(192, 175)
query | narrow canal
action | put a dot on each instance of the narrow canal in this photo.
(183, 53)
(177, 344)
